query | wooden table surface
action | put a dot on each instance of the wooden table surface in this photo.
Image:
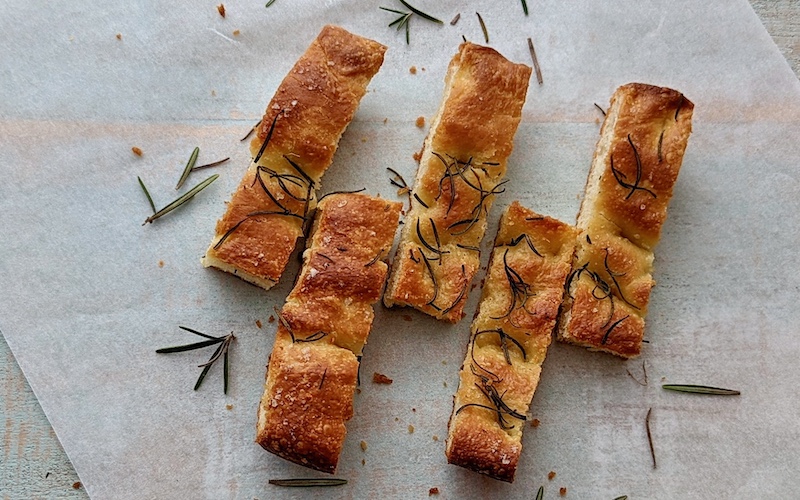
(33, 463)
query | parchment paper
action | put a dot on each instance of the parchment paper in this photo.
(85, 304)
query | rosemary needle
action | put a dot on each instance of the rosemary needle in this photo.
(147, 193)
(525, 7)
(483, 27)
(181, 200)
(535, 62)
(269, 3)
(306, 483)
(188, 169)
(700, 389)
(540, 493)
(429, 17)
(213, 164)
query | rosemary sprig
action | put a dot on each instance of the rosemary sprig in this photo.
(650, 436)
(521, 237)
(431, 302)
(268, 4)
(311, 338)
(188, 169)
(306, 483)
(416, 197)
(660, 142)
(181, 200)
(322, 379)
(223, 343)
(621, 177)
(248, 217)
(400, 183)
(600, 109)
(614, 277)
(438, 248)
(504, 338)
(468, 247)
(211, 165)
(680, 105)
(374, 259)
(623, 497)
(431, 18)
(500, 407)
(269, 136)
(483, 27)
(254, 126)
(700, 389)
(535, 62)
(354, 191)
(520, 290)
(611, 328)
(403, 21)
(147, 193)
(455, 19)
(540, 493)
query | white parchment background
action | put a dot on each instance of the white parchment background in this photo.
(84, 303)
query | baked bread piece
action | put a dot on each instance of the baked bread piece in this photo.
(322, 330)
(296, 140)
(461, 170)
(630, 183)
(509, 340)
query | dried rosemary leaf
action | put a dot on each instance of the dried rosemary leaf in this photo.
(700, 389)
(307, 483)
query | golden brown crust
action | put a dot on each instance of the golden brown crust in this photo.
(463, 162)
(310, 397)
(509, 341)
(323, 328)
(636, 164)
(307, 116)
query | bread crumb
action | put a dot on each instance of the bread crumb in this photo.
(417, 156)
(213, 93)
(119, 36)
(435, 437)
(407, 317)
(229, 407)
(385, 121)
(412, 70)
(433, 491)
(420, 121)
(396, 419)
(551, 475)
(137, 151)
(160, 263)
(236, 32)
(445, 384)
(444, 362)
(363, 462)
(221, 9)
(379, 378)
(76, 485)
(535, 422)
(363, 446)
(271, 319)
(411, 429)
(562, 491)
(258, 323)
(414, 410)
(363, 139)
(358, 390)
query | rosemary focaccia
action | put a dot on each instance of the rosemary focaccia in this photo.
(295, 144)
(461, 170)
(635, 166)
(509, 339)
(322, 330)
